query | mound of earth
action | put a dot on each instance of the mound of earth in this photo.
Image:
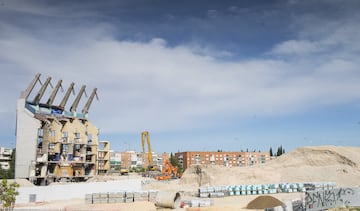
(263, 202)
(306, 164)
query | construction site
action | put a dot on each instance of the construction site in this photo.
(62, 165)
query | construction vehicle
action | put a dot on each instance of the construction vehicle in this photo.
(146, 137)
(168, 171)
(124, 171)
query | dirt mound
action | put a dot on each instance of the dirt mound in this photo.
(320, 156)
(306, 164)
(263, 202)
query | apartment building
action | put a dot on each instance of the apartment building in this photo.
(158, 159)
(54, 143)
(5, 158)
(115, 161)
(103, 160)
(133, 159)
(187, 159)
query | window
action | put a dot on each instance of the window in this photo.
(51, 146)
(77, 135)
(65, 148)
(40, 132)
(65, 134)
(52, 133)
(77, 147)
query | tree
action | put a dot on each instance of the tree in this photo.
(280, 151)
(174, 162)
(8, 193)
(271, 152)
(12, 165)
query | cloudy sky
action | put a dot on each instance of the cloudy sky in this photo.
(199, 75)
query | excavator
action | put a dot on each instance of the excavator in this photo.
(168, 171)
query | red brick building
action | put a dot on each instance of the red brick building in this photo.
(187, 159)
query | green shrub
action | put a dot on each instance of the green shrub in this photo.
(8, 193)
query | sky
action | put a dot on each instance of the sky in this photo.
(199, 75)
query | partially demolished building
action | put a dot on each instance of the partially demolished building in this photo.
(53, 143)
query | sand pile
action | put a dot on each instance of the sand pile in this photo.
(263, 202)
(307, 164)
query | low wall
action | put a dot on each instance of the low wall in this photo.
(74, 190)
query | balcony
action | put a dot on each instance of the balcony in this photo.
(65, 140)
(78, 141)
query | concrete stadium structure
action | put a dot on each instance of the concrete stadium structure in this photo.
(53, 143)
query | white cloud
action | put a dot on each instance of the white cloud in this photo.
(297, 47)
(149, 85)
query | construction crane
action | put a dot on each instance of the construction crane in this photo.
(77, 99)
(145, 136)
(53, 94)
(31, 86)
(88, 103)
(67, 95)
(41, 91)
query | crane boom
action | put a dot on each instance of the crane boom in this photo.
(41, 91)
(53, 94)
(88, 103)
(77, 99)
(145, 136)
(31, 86)
(67, 95)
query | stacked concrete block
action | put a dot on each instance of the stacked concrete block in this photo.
(118, 197)
(121, 197)
(88, 198)
(213, 192)
(203, 192)
(141, 196)
(100, 198)
(234, 190)
(217, 195)
(129, 197)
(201, 202)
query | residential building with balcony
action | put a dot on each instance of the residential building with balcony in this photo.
(5, 158)
(239, 159)
(54, 143)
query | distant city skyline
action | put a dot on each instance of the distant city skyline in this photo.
(198, 75)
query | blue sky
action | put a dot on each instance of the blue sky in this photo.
(199, 75)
